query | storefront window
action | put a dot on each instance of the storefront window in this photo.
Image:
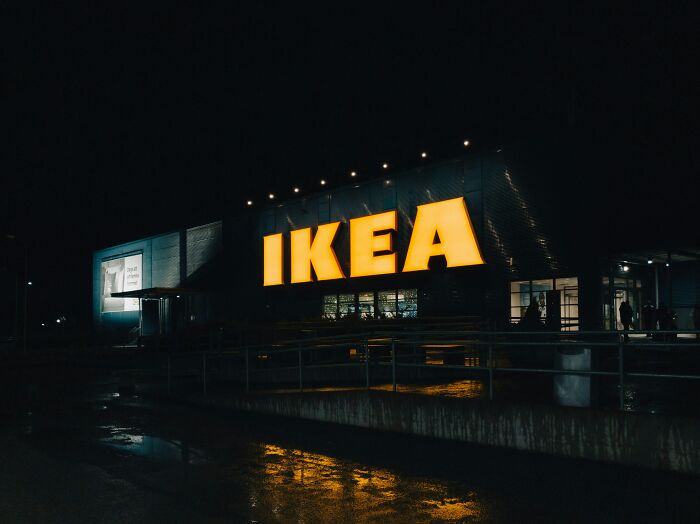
(346, 306)
(366, 304)
(407, 302)
(386, 303)
(556, 302)
(392, 303)
(330, 307)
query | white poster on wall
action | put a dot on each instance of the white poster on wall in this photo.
(119, 275)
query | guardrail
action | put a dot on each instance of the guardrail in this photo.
(405, 350)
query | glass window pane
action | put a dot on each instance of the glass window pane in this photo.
(407, 303)
(346, 305)
(386, 302)
(366, 304)
(330, 307)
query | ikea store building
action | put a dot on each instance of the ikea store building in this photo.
(453, 241)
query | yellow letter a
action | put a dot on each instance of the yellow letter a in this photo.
(457, 241)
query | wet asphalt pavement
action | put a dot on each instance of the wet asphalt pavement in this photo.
(75, 449)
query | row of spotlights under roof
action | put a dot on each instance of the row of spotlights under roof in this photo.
(353, 174)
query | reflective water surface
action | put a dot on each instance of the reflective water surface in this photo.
(226, 466)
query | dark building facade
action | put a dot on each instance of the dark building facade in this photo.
(214, 273)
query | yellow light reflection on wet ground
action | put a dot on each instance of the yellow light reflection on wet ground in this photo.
(302, 486)
(467, 389)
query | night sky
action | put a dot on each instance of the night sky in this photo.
(124, 120)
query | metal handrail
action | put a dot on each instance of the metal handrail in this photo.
(389, 341)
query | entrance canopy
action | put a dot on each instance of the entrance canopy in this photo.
(156, 293)
(659, 256)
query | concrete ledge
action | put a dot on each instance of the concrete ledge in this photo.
(652, 441)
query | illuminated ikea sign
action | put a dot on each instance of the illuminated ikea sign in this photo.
(371, 245)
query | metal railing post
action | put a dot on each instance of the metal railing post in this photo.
(204, 373)
(621, 370)
(301, 379)
(168, 374)
(247, 373)
(490, 364)
(366, 363)
(393, 363)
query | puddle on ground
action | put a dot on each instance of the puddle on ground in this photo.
(154, 448)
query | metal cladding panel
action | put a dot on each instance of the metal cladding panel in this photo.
(204, 243)
(518, 244)
(166, 260)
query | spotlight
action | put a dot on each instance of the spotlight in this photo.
(42, 324)
(649, 261)
(271, 196)
(424, 155)
(58, 321)
(466, 143)
(385, 165)
(625, 268)
(667, 264)
(29, 283)
(323, 182)
(296, 189)
(249, 203)
(353, 174)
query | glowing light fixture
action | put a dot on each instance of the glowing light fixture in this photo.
(271, 196)
(296, 189)
(317, 253)
(249, 203)
(450, 221)
(385, 165)
(353, 174)
(29, 283)
(649, 261)
(323, 182)
(272, 255)
(424, 155)
(365, 243)
(466, 143)
(667, 264)
(625, 268)
(58, 321)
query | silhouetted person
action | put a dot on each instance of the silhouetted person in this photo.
(649, 317)
(531, 318)
(626, 314)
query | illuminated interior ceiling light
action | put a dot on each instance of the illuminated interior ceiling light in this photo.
(249, 203)
(625, 268)
(43, 324)
(649, 261)
(271, 196)
(296, 189)
(385, 166)
(667, 264)
(424, 155)
(29, 283)
(466, 143)
(353, 174)
(323, 182)
(58, 321)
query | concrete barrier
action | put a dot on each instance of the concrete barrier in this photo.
(653, 441)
